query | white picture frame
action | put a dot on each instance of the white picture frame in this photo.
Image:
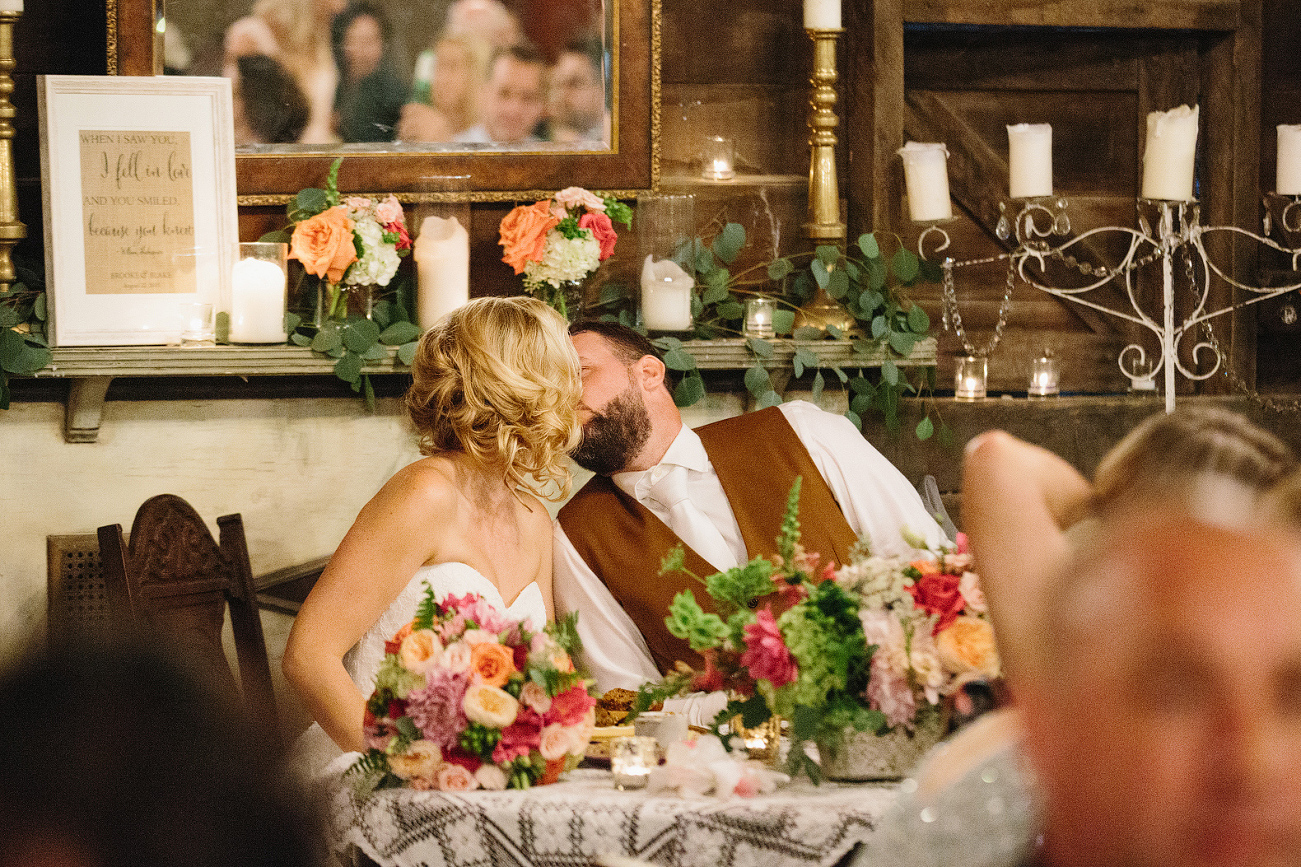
(115, 179)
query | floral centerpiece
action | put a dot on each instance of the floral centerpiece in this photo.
(874, 645)
(556, 243)
(347, 242)
(468, 698)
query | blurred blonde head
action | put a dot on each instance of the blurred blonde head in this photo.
(498, 380)
(1217, 462)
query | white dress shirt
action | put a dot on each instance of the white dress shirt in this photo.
(874, 496)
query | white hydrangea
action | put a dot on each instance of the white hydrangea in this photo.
(879, 581)
(565, 260)
(379, 261)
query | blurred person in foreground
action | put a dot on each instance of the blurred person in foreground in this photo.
(1157, 694)
(119, 755)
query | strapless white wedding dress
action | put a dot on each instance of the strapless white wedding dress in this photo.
(315, 753)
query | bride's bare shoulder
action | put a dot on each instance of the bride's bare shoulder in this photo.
(424, 484)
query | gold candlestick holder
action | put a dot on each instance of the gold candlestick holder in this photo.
(11, 229)
(824, 225)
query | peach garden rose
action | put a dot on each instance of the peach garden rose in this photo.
(323, 244)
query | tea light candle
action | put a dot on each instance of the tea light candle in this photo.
(196, 321)
(969, 379)
(1043, 376)
(257, 300)
(822, 14)
(926, 176)
(1288, 180)
(1030, 160)
(718, 158)
(442, 255)
(631, 760)
(1169, 157)
(759, 317)
(665, 295)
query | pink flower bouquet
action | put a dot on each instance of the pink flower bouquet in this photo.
(875, 644)
(470, 698)
(561, 240)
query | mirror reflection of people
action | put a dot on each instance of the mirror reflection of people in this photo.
(576, 105)
(486, 20)
(514, 99)
(269, 106)
(370, 95)
(448, 103)
(297, 34)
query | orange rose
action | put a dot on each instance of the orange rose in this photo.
(492, 663)
(967, 646)
(324, 244)
(524, 234)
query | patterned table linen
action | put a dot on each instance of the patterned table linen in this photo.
(570, 822)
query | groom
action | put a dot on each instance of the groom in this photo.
(721, 490)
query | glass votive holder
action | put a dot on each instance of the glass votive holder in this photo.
(258, 290)
(718, 158)
(631, 760)
(970, 377)
(762, 742)
(196, 324)
(759, 317)
(1142, 376)
(1043, 376)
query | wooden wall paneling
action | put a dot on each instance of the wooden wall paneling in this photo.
(872, 113)
(1153, 14)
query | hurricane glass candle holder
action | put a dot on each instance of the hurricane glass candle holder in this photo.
(970, 378)
(631, 760)
(1044, 376)
(718, 158)
(759, 317)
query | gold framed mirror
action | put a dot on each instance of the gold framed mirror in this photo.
(271, 177)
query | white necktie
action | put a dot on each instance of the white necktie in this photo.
(686, 520)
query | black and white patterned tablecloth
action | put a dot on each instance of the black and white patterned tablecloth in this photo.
(579, 818)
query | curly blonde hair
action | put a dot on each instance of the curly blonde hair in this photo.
(498, 380)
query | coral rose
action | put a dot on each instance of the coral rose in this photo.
(602, 230)
(492, 664)
(968, 646)
(323, 244)
(420, 650)
(490, 706)
(524, 234)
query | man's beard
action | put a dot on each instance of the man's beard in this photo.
(614, 436)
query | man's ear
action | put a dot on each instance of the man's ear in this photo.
(648, 373)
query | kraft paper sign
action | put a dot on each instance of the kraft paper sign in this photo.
(140, 206)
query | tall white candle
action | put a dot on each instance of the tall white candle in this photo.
(1170, 156)
(11, 5)
(665, 295)
(1288, 179)
(1030, 160)
(442, 254)
(822, 14)
(257, 302)
(926, 175)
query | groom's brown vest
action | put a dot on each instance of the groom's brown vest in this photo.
(758, 457)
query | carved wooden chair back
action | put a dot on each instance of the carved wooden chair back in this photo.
(175, 584)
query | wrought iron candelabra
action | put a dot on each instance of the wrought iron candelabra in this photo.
(1175, 237)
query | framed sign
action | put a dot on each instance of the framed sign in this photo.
(141, 220)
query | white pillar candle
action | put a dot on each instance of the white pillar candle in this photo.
(257, 302)
(926, 175)
(1169, 158)
(1030, 160)
(1288, 179)
(442, 254)
(665, 296)
(822, 14)
(11, 5)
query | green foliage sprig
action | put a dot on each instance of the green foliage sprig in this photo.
(868, 283)
(24, 348)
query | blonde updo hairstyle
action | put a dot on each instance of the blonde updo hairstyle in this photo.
(498, 380)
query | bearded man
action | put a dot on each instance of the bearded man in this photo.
(721, 491)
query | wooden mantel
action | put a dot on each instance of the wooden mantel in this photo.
(91, 369)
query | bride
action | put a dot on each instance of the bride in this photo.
(494, 399)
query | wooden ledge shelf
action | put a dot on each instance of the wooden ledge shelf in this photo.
(91, 369)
